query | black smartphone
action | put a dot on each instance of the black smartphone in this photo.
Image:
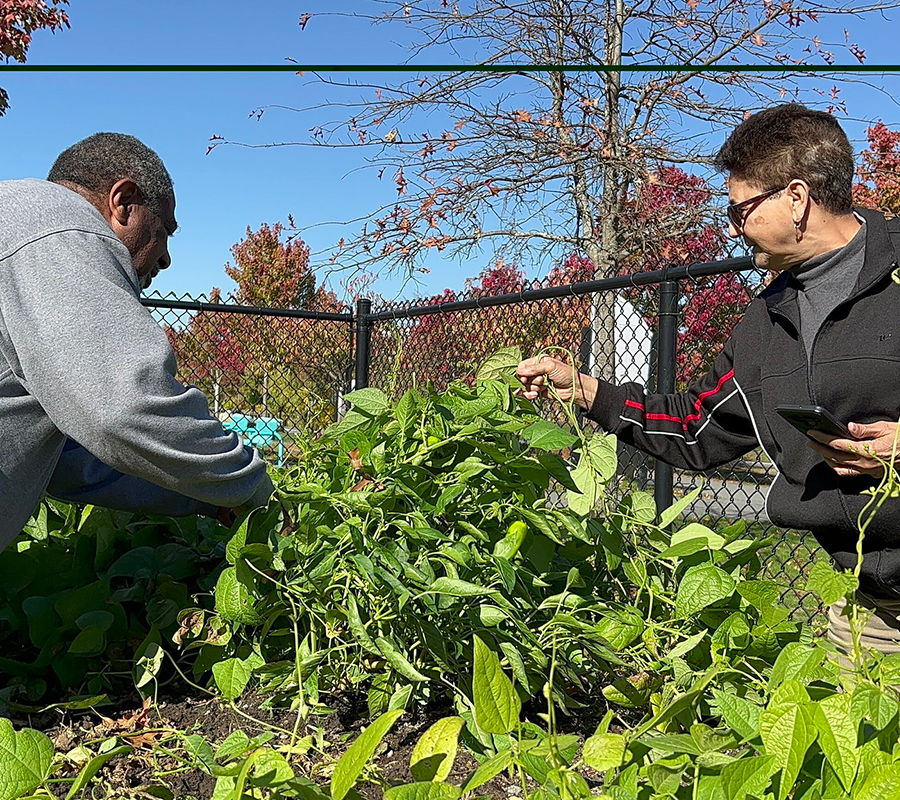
(814, 418)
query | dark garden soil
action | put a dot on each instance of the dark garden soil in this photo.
(153, 730)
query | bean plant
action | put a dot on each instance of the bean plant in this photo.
(409, 529)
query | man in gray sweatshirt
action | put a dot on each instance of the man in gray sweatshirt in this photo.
(90, 410)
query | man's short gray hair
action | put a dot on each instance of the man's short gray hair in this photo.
(98, 161)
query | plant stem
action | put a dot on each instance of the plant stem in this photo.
(231, 705)
(880, 494)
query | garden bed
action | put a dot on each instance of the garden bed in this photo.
(156, 730)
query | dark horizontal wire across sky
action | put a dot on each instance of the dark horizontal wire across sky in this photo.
(292, 67)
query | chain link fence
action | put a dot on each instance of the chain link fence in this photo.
(661, 329)
(275, 376)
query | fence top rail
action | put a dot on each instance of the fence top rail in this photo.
(676, 273)
(233, 308)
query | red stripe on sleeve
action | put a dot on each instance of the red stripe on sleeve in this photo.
(697, 405)
(664, 417)
(722, 381)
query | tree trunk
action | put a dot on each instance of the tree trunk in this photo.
(603, 253)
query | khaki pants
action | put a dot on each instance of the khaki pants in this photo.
(882, 626)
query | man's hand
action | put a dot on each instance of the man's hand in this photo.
(228, 516)
(848, 457)
(538, 374)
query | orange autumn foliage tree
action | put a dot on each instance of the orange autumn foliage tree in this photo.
(271, 272)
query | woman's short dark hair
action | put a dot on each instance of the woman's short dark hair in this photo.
(98, 161)
(789, 142)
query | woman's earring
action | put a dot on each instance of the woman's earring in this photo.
(797, 233)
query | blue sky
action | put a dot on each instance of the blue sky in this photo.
(219, 195)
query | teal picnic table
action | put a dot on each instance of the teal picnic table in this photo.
(258, 432)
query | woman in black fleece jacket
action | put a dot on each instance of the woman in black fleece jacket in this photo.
(821, 333)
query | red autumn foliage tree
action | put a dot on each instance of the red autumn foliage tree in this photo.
(19, 20)
(878, 184)
(669, 218)
(211, 353)
(711, 310)
(267, 365)
(710, 306)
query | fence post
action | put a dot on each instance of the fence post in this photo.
(586, 364)
(363, 335)
(664, 477)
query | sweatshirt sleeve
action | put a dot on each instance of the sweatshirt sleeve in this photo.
(79, 477)
(702, 427)
(102, 369)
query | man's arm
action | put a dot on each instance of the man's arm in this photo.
(706, 425)
(79, 477)
(103, 370)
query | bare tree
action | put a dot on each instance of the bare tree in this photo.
(535, 164)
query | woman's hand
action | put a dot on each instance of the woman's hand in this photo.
(539, 373)
(849, 457)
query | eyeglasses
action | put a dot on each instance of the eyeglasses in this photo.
(736, 214)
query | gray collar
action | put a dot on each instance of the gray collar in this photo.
(810, 273)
